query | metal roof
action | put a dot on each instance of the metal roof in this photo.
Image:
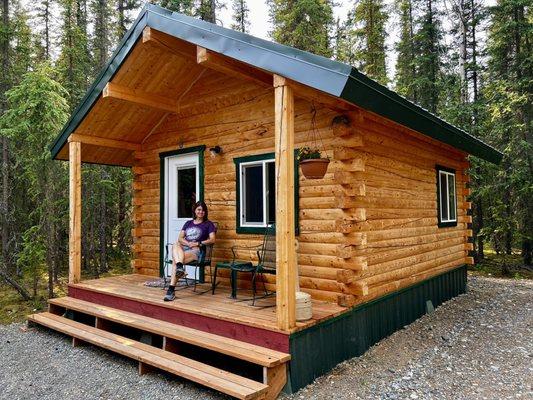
(332, 77)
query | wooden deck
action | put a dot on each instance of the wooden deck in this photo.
(219, 306)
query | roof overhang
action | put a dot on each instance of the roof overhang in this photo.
(328, 76)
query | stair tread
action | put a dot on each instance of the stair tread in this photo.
(231, 347)
(196, 371)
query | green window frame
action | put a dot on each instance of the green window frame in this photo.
(446, 197)
(263, 161)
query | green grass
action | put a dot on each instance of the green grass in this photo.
(502, 266)
(14, 309)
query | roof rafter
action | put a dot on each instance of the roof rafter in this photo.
(228, 66)
(120, 92)
(169, 43)
(104, 142)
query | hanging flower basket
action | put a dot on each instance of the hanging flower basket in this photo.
(313, 165)
(314, 168)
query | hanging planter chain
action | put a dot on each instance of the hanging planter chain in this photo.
(313, 165)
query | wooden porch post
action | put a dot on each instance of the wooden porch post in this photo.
(74, 244)
(285, 240)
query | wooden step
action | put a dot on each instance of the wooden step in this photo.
(244, 351)
(223, 381)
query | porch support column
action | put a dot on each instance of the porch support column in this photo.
(74, 244)
(285, 240)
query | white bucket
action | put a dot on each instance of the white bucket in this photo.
(304, 306)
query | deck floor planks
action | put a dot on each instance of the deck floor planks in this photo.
(219, 305)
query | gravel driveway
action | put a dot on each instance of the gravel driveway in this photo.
(477, 346)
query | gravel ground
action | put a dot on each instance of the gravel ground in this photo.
(476, 346)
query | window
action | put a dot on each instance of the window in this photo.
(446, 197)
(256, 193)
(257, 200)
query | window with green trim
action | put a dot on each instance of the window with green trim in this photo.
(446, 197)
(256, 193)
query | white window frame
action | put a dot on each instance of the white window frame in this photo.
(242, 196)
(445, 219)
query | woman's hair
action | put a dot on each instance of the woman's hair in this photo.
(204, 207)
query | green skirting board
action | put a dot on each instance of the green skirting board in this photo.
(316, 350)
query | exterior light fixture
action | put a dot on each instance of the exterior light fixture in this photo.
(215, 151)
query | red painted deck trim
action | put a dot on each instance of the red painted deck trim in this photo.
(261, 337)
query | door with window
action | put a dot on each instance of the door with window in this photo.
(182, 190)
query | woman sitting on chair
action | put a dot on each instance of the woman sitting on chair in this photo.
(195, 233)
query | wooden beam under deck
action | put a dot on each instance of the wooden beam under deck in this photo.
(285, 225)
(74, 246)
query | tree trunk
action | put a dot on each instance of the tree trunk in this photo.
(47, 28)
(480, 254)
(508, 239)
(103, 225)
(17, 286)
(4, 81)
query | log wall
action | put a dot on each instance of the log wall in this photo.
(367, 228)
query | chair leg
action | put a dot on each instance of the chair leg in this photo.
(254, 274)
(264, 284)
(214, 279)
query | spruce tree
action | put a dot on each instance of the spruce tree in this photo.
(44, 16)
(429, 55)
(406, 62)
(369, 21)
(467, 109)
(74, 66)
(206, 10)
(37, 111)
(123, 7)
(101, 40)
(304, 24)
(240, 16)
(182, 6)
(509, 98)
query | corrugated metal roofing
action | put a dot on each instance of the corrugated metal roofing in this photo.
(332, 77)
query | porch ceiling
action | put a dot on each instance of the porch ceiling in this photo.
(158, 79)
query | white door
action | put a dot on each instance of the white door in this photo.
(182, 189)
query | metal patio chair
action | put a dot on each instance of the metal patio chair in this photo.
(204, 261)
(266, 262)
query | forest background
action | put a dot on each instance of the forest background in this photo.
(464, 60)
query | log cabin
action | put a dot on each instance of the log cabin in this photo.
(201, 112)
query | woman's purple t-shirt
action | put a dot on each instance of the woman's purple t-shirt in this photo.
(198, 232)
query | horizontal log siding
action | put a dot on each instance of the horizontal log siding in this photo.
(403, 243)
(367, 228)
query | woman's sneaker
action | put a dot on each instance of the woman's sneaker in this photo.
(171, 295)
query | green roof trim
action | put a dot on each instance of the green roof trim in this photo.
(332, 77)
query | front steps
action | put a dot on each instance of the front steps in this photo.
(160, 345)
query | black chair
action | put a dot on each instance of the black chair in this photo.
(266, 261)
(199, 265)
